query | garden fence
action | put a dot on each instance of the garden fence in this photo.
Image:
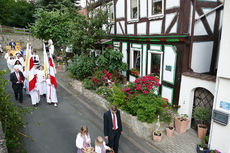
(7, 29)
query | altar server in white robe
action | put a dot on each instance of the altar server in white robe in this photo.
(10, 63)
(51, 95)
(26, 84)
(41, 81)
(35, 96)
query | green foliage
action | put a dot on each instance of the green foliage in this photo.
(168, 115)
(202, 114)
(16, 13)
(11, 117)
(82, 67)
(149, 107)
(87, 83)
(111, 60)
(107, 92)
(118, 97)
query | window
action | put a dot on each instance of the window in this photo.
(155, 64)
(111, 12)
(134, 11)
(136, 60)
(157, 7)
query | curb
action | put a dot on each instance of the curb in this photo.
(100, 117)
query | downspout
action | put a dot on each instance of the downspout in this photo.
(192, 35)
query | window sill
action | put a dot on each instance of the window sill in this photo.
(133, 20)
(156, 16)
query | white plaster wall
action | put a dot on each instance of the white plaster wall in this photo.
(210, 18)
(199, 28)
(169, 18)
(224, 62)
(119, 29)
(221, 19)
(219, 132)
(172, 3)
(141, 28)
(174, 28)
(188, 85)
(123, 25)
(112, 29)
(201, 56)
(167, 93)
(143, 8)
(155, 27)
(169, 60)
(144, 59)
(130, 29)
(120, 7)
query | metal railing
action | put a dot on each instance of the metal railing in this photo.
(7, 29)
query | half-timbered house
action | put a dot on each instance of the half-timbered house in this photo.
(176, 40)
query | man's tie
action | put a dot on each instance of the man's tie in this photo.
(114, 122)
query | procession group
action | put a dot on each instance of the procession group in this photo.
(28, 73)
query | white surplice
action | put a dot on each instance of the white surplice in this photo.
(41, 82)
(51, 95)
(10, 63)
(34, 95)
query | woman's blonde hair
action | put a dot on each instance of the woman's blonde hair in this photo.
(99, 141)
(84, 129)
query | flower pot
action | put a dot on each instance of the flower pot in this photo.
(200, 149)
(181, 126)
(157, 138)
(202, 130)
(169, 132)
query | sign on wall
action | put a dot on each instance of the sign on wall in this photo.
(225, 105)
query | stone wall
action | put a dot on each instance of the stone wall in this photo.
(5, 39)
(141, 129)
(3, 148)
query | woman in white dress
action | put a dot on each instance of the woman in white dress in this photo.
(83, 139)
(100, 146)
(51, 95)
(41, 81)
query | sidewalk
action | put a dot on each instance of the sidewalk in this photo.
(179, 143)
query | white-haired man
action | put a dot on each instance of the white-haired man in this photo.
(17, 79)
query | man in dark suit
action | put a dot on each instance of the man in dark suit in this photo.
(112, 127)
(17, 79)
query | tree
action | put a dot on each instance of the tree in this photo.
(16, 13)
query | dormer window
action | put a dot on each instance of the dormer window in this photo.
(111, 12)
(134, 10)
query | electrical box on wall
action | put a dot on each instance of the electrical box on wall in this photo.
(220, 117)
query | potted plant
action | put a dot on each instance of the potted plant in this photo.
(201, 148)
(213, 151)
(168, 116)
(181, 123)
(202, 115)
(157, 135)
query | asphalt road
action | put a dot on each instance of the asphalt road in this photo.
(54, 129)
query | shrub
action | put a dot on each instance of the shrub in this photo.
(11, 117)
(111, 60)
(118, 97)
(87, 83)
(100, 78)
(106, 92)
(82, 67)
(201, 114)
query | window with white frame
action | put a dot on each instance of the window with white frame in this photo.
(137, 60)
(155, 63)
(157, 7)
(111, 12)
(133, 9)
